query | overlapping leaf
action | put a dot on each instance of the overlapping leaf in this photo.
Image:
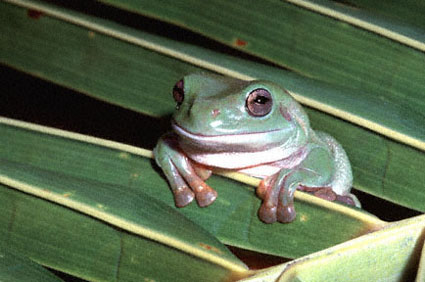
(15, 268)
(368, 258)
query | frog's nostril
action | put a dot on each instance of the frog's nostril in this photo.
(215, 112)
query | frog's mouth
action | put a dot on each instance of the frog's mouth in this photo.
(232, 151)
(251, 141)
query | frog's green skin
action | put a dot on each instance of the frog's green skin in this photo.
(214, 126)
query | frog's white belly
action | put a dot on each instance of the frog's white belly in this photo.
(258, 164)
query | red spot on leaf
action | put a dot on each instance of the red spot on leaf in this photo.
(210, 248)
(34, 14)
(240, 42)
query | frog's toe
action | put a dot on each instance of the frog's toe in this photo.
(203, 172)
(286, 214)
(183, 196)
(262, 189)
(205, 196)
(267, 214)
(348, 200)
(265, 186)
(326, 194)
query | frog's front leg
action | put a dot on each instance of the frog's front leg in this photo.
(182, 174)
(277, 191)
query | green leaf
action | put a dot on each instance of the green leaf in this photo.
(101, 210)
(72, 240)
(335, 52)
(15, 268)
(73, 71)
(376, 17)
(129, 210)
(392, 254)
(68, 241)
(111, 65)
(408, 12)
(72, 160)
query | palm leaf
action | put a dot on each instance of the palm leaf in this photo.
(81, 160)
(354, 260)
(349, 57)
(340, 69)
(70, 205)
(13, 268)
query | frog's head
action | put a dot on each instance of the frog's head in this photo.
(221, 113)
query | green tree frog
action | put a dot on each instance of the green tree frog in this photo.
(252, 127)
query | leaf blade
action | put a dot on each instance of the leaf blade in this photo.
(84, 247)
(393, 253)
(281, 34)
(310, 92)
(15, 268)
(232, 218)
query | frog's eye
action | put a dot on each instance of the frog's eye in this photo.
(259, 102)
(178, 92)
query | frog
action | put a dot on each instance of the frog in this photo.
(252, 127)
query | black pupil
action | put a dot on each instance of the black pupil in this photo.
(261, 100)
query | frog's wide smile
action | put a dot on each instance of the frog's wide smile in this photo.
(186, 132)
(223, 139)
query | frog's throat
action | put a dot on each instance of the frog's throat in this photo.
(246, 161)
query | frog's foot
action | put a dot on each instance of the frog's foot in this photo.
(272, 209)
(325, 193)
(349, 199)
(271, 213)
(286, 214)
(196, 188)
(265, 186)
(204, 194)
(268, 209)
(202, 171)
(267, 213)
(183, 196)
(182, 174)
